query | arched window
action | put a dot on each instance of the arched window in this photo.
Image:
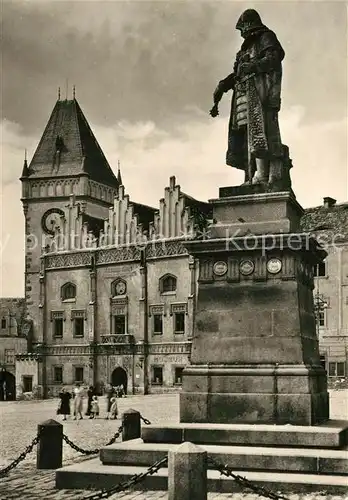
(68, 291)
(167, 283)
(118, 287)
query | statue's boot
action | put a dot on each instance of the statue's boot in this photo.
(261, 174)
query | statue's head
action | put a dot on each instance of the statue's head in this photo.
(249, 21)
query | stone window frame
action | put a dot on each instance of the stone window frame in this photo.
(63, 289)
(78, 314)
(158, 365)
(55, 381)
(179, 308)
(336, 362)
(174, 370)
(9, 358)
(316, 270)
(118, 307)
(156, 310)
(81, 367)
(54, 316)
(162, 281)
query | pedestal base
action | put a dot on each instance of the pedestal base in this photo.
(254, 394)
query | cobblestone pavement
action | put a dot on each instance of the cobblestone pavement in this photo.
(18, 426)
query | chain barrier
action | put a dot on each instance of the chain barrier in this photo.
(96, 450)
(21, 457)
(244, 482)
(145, 420)
(124, 485)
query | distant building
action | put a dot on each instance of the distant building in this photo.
(13, 340)
(329, 223)
(100, 308)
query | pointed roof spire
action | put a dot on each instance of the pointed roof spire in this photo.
(58, 93)
(81, 152)
(119, 178)
(25, 171)
(74, 91)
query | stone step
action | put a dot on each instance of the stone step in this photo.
(92, 474)
(314, 461)
(333, 434)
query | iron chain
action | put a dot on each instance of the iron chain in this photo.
(96, 450)
(145, 420)
(21, 457)
(244, 482)
(123, 485)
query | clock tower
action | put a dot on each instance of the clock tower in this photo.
(68, 161)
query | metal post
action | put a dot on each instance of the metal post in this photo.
(50, 446)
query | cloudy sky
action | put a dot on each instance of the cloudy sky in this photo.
(144, 74)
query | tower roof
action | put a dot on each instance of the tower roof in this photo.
(68, 147)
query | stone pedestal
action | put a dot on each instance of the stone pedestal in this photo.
(255, 355)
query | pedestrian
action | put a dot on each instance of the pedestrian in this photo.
(78, 402)
(90, 394)
(64, 403)
(114, 408)
(109, 393)
(122, 391)
(94, 407)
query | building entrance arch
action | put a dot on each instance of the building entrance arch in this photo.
(119, 377)
(7, 386)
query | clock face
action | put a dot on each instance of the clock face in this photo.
(120, 288)
(274, 266)
(51, 219)
(246, 267)
(220, 268)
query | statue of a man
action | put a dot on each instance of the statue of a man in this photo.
(254, 142)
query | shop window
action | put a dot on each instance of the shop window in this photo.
(58, 327)
(157, 324)
(119, 324)
(79, 374)
(168, 283)
(79, 327)
(337, 369)
(68, 291)
(320, 270)
(179, 322)
(58, 374)
(157, 375)
(178, 375)
(3, 323)
(27, 383)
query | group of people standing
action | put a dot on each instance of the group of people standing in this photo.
(78, 396)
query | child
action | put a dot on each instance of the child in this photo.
(114, 409)
(94, 407)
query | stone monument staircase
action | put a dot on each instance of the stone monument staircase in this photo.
(283, 458)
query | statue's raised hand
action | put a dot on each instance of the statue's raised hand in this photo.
(214, 110)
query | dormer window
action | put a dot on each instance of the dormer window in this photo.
(168, 283)
(68, 292)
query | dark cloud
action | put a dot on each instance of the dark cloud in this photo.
(141, 61)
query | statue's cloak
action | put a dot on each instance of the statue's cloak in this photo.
(258, 136)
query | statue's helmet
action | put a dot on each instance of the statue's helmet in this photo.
(249, 21)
